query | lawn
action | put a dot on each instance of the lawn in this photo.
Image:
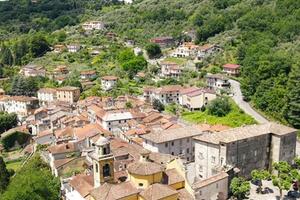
(179, 61)
(235, 118)
(15, 164)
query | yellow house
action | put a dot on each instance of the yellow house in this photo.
(142, 174)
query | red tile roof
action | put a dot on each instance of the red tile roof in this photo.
(231, 66)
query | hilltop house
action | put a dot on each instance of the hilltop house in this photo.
(231, 69)
(33, 71)
(108, 82)
(195, 98)
(163, 42)
(73, 48)
(23, 106)
(46, 95)
(68, 94)
(170, 70)
(217, 82)
(93, 25)
(88, 74)
(166, 94)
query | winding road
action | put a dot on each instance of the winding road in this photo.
(238, 98)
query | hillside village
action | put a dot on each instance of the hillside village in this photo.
(113, 118)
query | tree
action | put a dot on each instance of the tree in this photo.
(20, 50)
(128, 104)
(157, 105)
(4, 176)
(7, 121)
(39, 46)
(219, 107)
(33, 181)
(293, 107)
(260, 175)
(282, 179)
(153, 50)
(239, 187)
(6, 57)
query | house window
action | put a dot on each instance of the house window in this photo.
(200, 192)
(213, 159)
(166, 144)
(187, 150)
(172, 153)
(172, 143)
(200, 168)
(188, 140)
(141, 184)
(201, 156)
(96, 168)
(106, 170)
(217, 186)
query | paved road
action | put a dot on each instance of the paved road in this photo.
(238, 98)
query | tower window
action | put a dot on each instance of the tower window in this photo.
(106, 170)
(141, 184)
(96, 168)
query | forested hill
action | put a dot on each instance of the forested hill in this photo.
(21, 16)
(261, 35)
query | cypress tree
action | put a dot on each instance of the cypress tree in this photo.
(4, 176)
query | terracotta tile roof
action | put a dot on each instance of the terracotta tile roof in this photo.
(109, 191)
(152, 117)
(137, 140)
(83, 184)
(172, 134)
(168, 63)
(217, 76)
(144, 168)
(21, 98)
(89, 130)
(161, 158)
(158, 191)
(235, 134)
(88, 72)
(185, 195)
(231, 66)
(206, 47)
(47, 90)
(61, 162)
(211, 180)
(109, 78)
(44, 133)
(68, 88)
(173, 176)
(66, 132)
(189, 90)
(63, 148)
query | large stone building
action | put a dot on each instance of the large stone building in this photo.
(68, 94)
(247, 148)
(166, 94)
(177, 141)
(46, 95)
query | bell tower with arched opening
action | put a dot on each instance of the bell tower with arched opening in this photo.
(103, 162)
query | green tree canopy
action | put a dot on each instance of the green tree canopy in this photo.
(219, 107)
(153, 50)
(239, 187)
(4, 176)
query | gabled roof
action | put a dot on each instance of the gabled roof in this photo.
(109, 191)
(83, 184)
(231, 66)
(172, 134)
(241, 133)
(158, 191)
(144, 168)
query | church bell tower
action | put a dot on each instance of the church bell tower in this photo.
(103, 162)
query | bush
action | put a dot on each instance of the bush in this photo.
(10, 140)
(157, 105)
(219, 107)
(153, 50)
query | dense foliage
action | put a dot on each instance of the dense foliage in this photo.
(239, 188)
(219, 107)
(33, 181)
(11, 139)
(4, 176)
(7, 121)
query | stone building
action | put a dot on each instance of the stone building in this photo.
(68, 94)
(247, 148)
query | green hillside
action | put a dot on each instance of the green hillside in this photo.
(261, 35)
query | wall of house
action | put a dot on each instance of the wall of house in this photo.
(249, 154)
(145, 180)
(206, 159)
(217, 190)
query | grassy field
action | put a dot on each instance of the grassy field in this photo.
(179, 61)
(235, 118)
(15, 165)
